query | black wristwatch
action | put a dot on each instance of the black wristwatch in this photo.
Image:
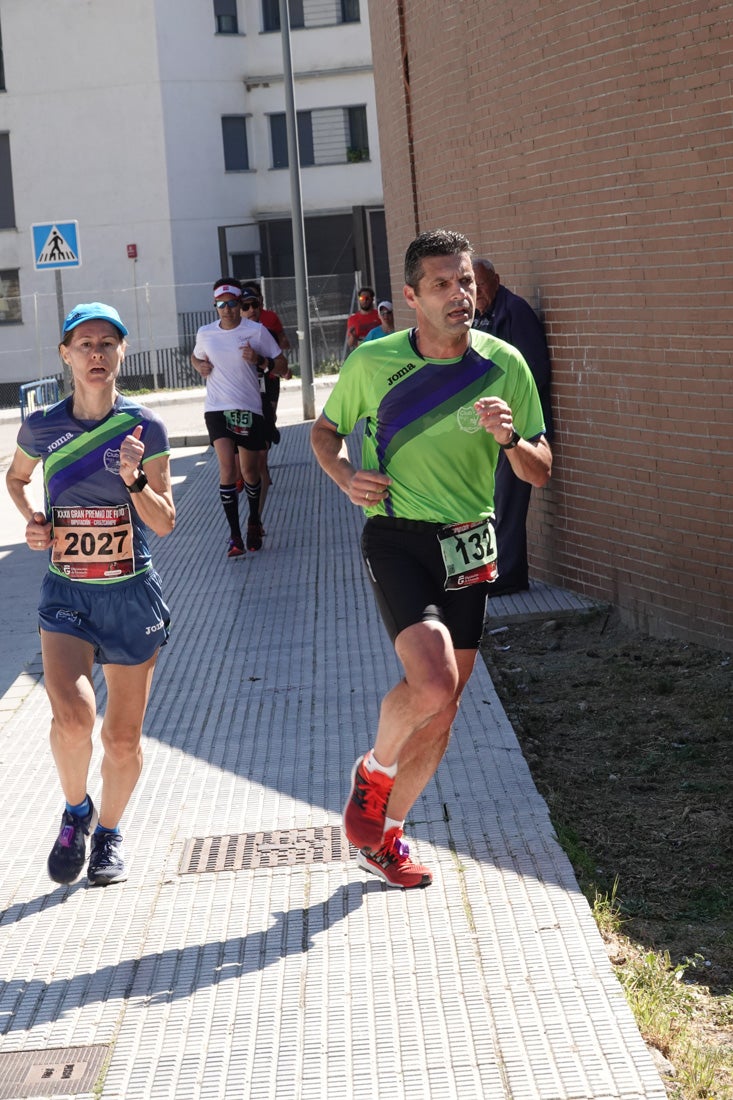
(512, 442)
(138, 484)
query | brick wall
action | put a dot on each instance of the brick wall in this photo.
(587, 149)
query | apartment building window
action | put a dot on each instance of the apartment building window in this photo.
(234, 136)
(271, 14)
(245, 265)
(279, 139)
(311, 13)
(329, 135)
(7, 204)
(358, 147)
(350, 11)
(10, 312)
(225, 13)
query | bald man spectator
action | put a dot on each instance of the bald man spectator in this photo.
(511, 318)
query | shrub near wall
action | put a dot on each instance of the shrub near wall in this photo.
(586, 148)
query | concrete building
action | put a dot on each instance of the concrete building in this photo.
(585, 148)
(159, 128)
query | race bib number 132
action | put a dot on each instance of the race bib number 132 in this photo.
(469, 553)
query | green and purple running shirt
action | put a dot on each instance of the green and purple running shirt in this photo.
(421, 426)
(99, 537)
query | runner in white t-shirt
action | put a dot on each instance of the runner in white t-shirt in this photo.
(227, 354)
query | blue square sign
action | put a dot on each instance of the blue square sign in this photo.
(56, 244)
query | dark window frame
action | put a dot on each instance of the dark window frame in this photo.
(233, 145)
(356, 151)
(271, 16)
(12, 275)
(279, 140)
(358, 147)
(7, 200)
(350, 12)
(225, 14)
(245, 265)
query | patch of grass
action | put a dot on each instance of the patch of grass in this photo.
(629, 741)
(607, 912)
(706, 902)
(667, 1007)
(571, 844)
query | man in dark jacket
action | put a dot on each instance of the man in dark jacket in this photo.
(511, 318)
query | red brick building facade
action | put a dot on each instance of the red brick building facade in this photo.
(587, 149)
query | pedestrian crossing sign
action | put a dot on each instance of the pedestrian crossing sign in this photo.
(56, 244)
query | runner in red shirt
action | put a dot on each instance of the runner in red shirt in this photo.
(253, 308)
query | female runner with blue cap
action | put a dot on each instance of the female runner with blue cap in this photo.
(106, 479)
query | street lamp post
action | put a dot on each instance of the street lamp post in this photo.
(301, 273)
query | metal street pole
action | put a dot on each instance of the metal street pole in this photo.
(305, 354)
(62, 317)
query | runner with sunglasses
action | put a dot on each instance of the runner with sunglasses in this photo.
(269, 383)
(228, 353)
(363, 320)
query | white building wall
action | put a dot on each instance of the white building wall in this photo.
(205, 76)
(114, 114)
(85, 118)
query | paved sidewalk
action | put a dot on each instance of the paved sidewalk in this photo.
(248, 956)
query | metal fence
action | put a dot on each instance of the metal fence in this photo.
(163, 321)
(161, 369)
(35, 395)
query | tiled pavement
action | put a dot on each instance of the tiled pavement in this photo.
(268, 965)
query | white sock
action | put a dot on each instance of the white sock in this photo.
(371, 764)
(393, 823)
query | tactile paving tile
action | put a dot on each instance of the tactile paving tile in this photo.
(303, 981)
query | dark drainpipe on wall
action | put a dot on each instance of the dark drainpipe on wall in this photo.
(408, 112)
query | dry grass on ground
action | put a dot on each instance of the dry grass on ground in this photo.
(629, 741)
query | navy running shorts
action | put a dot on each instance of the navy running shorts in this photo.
(125, 622)
(245, 429)
(407, 574)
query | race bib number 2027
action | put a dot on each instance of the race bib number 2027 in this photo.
(93, 543)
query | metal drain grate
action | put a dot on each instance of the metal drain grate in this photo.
(250, 851)
(66, 1070)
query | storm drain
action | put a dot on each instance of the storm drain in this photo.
(252, 851)
(59, 1070)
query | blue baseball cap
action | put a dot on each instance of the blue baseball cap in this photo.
(93, 311)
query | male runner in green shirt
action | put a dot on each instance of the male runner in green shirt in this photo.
(439, 403)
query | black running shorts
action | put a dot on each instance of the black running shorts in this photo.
(407, 573)
(252, 437)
